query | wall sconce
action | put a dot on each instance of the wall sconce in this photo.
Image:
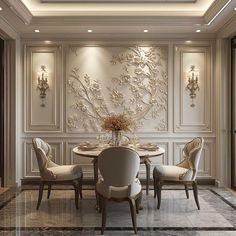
(43, 83)
(192, 86)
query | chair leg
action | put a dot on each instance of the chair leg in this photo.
(99, 204)
(104, 213)
(49, 190)
(98, 201)
(138, 202)
(186, 191)
(155, 186)
(159, 186)
(195, 193)
(41, 186)
(80, 186)
(133, 213)
(76, 187)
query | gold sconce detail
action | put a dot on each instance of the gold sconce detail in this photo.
(192, 85)
(43, 85)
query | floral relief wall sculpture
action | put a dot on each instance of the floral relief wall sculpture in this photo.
(132, 81)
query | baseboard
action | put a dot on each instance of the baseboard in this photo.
(35, 181)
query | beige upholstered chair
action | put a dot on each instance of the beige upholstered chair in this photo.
(183, 173)
(119, 167)
(52, 173)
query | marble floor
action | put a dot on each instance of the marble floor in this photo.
(177, 216)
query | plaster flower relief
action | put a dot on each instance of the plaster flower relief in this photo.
(136, 85)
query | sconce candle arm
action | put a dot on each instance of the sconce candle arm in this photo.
(193, 84)
(43, 85)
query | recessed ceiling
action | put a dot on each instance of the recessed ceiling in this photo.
(112, 18)
(117, 7)
(115, 1)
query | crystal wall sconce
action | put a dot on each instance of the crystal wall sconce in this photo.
(43, 85)
(192, 86)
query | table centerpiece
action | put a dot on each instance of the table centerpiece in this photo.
(116, 123)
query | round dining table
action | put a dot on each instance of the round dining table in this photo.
(145, 156)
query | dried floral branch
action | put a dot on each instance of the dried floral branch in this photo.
(116, 122)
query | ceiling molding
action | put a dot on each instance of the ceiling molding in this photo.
(89, 13)
(119, 8)
(113, 25)
(7, 30)
(20, 10)
(214, 9)
(228, 30)
(115, 20)
(118, 1)
(221, 19)
(118, 36)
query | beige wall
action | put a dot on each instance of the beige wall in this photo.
(175, 123)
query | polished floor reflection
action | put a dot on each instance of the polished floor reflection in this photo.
(177, 216)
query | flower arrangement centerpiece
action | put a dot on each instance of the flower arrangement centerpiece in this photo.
(116, 123)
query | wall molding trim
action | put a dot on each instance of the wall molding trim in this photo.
(223, 153)
(10, 137)
(38, 118)
(172, 140)
(184, 114)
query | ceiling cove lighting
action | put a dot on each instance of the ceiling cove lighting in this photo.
(36, 31)
(198, 30)
(218, 13)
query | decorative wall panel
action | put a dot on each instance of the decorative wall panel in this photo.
(93, 81)
(31, 165)
(189, 117)
(43, 118)
(104, 80)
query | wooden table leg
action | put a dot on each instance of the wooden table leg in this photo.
(147, 164)
(95, 171)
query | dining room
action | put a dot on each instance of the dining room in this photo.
(118, 118)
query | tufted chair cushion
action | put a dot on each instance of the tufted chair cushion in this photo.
(50, 170)
(185, 170)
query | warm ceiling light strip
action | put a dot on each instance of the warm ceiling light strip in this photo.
(226, 4)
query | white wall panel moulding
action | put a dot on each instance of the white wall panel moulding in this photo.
(199, 117)
(45, 118)
(120, 75)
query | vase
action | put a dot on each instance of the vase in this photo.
(116, 137)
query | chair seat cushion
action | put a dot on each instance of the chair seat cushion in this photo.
(172, 173)
(118, 192)
(66, 172)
